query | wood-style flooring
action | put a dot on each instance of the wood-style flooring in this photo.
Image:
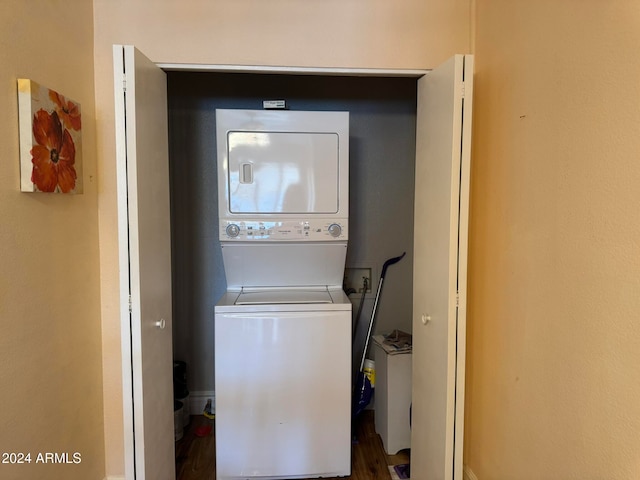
(195, 457)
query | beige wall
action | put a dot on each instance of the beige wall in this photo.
(554, 343)
(331, 33)
(50, 341)
(553, 362)
(328, 33)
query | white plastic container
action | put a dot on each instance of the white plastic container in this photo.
(178, 409)
(186, 412)
(393, 399)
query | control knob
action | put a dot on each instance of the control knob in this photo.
(335, 230)
(233, 230)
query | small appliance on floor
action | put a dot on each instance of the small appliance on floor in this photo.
(283, 328)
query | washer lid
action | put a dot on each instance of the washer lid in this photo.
(273, 296)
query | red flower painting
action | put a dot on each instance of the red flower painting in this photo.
(50, 140)
(54, 155)
(68, 111)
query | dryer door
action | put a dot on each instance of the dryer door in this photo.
(282, 163)
(282, 172)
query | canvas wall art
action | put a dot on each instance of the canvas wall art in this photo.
(50, 140)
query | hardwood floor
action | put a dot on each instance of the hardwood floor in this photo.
(195, 458)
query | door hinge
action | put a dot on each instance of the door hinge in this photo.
(462, 89)
(130, 307)
(124, 83)
(457, 299)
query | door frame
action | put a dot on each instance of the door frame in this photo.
(277, 70)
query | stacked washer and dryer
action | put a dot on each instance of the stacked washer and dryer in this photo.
(283, 327)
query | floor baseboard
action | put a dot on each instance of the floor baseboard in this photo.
(198, 400)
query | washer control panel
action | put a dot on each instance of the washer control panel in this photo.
(280, 231)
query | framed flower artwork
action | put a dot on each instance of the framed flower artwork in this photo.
(50, 140)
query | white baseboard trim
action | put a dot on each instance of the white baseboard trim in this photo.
(198, 400)
(467, 474)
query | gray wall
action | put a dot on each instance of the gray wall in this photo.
(382, 155)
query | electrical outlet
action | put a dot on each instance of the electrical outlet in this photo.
(354, 279)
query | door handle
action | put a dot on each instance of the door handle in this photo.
(246, 171)
(161, 324)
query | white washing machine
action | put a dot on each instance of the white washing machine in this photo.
(283, 329)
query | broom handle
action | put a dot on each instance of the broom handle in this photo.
(391, 261)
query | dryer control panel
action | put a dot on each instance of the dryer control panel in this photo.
(281, 231)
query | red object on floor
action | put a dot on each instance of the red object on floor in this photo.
(203, 431)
